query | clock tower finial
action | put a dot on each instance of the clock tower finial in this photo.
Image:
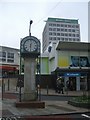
(30, 27)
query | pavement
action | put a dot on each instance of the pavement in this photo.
(7, 105)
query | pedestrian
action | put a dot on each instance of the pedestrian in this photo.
(71, 85)
(57, 83)
(67, 86)
(60, 87)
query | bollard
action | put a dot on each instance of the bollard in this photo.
(4, 87)
(8, 85)
(47, 89)
(39, 92)
(20, 94)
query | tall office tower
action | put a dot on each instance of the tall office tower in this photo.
(58, 29)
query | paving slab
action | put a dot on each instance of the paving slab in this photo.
(51, 107)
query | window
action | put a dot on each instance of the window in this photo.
(73, 30)
(58, 25)
(50, 33)
(77, 31)
(50, 24)
(58, 34)
(69, 30)
(77, 35)
(3, 59)
(69, 34)
(66, 39)
(66, 34)
(54, 33)
(54, 38)
(73, 26)
(70, 39)
(62, 34)
(50, 29)
(62, 38)
(78, 39)
(10, 60)
(54, 24)
(65, 25)
(73, 39)
(58, 29)
(69, 25)
(62, 29)
(58, 38)
(65, 30)
(2, 56)
(73, 35)
(77, 26)
(62, 25)
(0, 53)
(54, 29)
(10, 57)
(50, 38)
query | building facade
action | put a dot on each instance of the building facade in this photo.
(58, 29)
(70, 61)
(9, 60)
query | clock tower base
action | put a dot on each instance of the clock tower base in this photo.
(30, 96)
(29, 79)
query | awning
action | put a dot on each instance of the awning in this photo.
(7, 68)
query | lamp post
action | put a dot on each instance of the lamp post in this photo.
(30, 27)
(38, 73)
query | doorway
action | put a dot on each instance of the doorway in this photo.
(72, 83)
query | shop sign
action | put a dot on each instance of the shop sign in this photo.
(72, 74)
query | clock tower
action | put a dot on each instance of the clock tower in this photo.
(29, 50)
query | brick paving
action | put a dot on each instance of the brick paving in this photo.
(9, 95)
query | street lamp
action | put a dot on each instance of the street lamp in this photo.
(38, 82)
(30, 27)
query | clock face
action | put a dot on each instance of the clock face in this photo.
(30, 45)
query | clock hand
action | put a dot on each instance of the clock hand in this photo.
(30, 46)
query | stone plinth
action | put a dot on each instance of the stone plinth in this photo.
(30, 96)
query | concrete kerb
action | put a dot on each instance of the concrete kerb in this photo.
(70, 93)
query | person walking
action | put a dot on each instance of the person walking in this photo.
(56, 88)
(60, 87)
(57, 85)
(67, 86)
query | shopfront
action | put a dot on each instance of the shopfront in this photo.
(77, 78)
(7, 70)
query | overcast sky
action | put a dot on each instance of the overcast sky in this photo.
(16, 14)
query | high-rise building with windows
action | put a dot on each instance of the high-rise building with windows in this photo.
(58, 29)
